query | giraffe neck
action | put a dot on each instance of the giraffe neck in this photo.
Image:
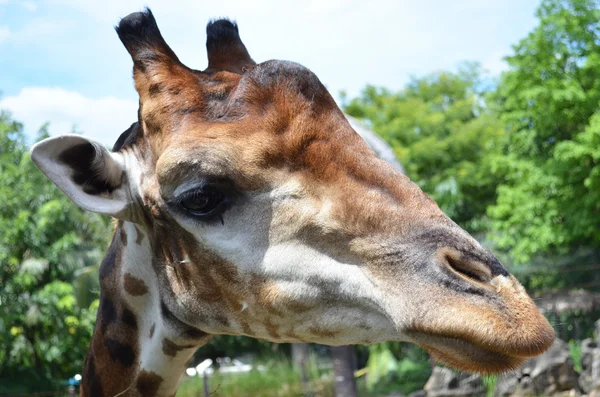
(133, 351)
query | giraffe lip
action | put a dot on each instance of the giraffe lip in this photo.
(466, 356)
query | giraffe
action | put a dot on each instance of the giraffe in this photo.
(245, 204)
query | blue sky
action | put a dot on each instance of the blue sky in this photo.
(61, 61)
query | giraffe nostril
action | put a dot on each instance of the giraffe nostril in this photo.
(467, 267)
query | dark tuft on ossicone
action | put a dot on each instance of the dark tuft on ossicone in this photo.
(138, 28)
(225, 48)
(137, 23)
(221, 32)
(140, 35)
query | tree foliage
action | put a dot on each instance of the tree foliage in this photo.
(44, 241)
(548, 100)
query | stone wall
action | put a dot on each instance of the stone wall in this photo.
(551, 374)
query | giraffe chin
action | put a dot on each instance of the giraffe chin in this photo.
(466, 356)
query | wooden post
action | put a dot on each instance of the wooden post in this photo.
(205, 384)
(300, 353)
(344, 381)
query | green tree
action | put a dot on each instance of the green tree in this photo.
(443, 134)
(45, 241)
(549, 201)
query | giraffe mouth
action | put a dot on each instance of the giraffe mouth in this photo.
(466, 356)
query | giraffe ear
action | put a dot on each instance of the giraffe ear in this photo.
(86, 172)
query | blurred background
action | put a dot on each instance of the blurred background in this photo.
(492, 107)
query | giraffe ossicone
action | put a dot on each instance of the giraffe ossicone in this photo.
(247, 205)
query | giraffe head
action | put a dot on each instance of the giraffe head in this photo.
(267, 215)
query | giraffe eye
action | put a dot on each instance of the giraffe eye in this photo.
(203, 202)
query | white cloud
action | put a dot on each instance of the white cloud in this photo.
(100, 118)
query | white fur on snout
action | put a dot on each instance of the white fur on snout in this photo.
(510, 283)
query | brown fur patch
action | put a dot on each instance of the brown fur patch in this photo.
(322, 333)
(298, 306)
(91, 384)
(272, 329)
(170, 348)
(111, 260)
(221, 319)
(195, 333)
(139, 235)
(293, 335)
(134, 286)
(148, 383)
(268, 295)
(120, 352)
(122, 233)
(245, 327)
(128, 317)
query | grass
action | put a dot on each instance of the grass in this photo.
(575, 353)
(279, 379)
(489, 383)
